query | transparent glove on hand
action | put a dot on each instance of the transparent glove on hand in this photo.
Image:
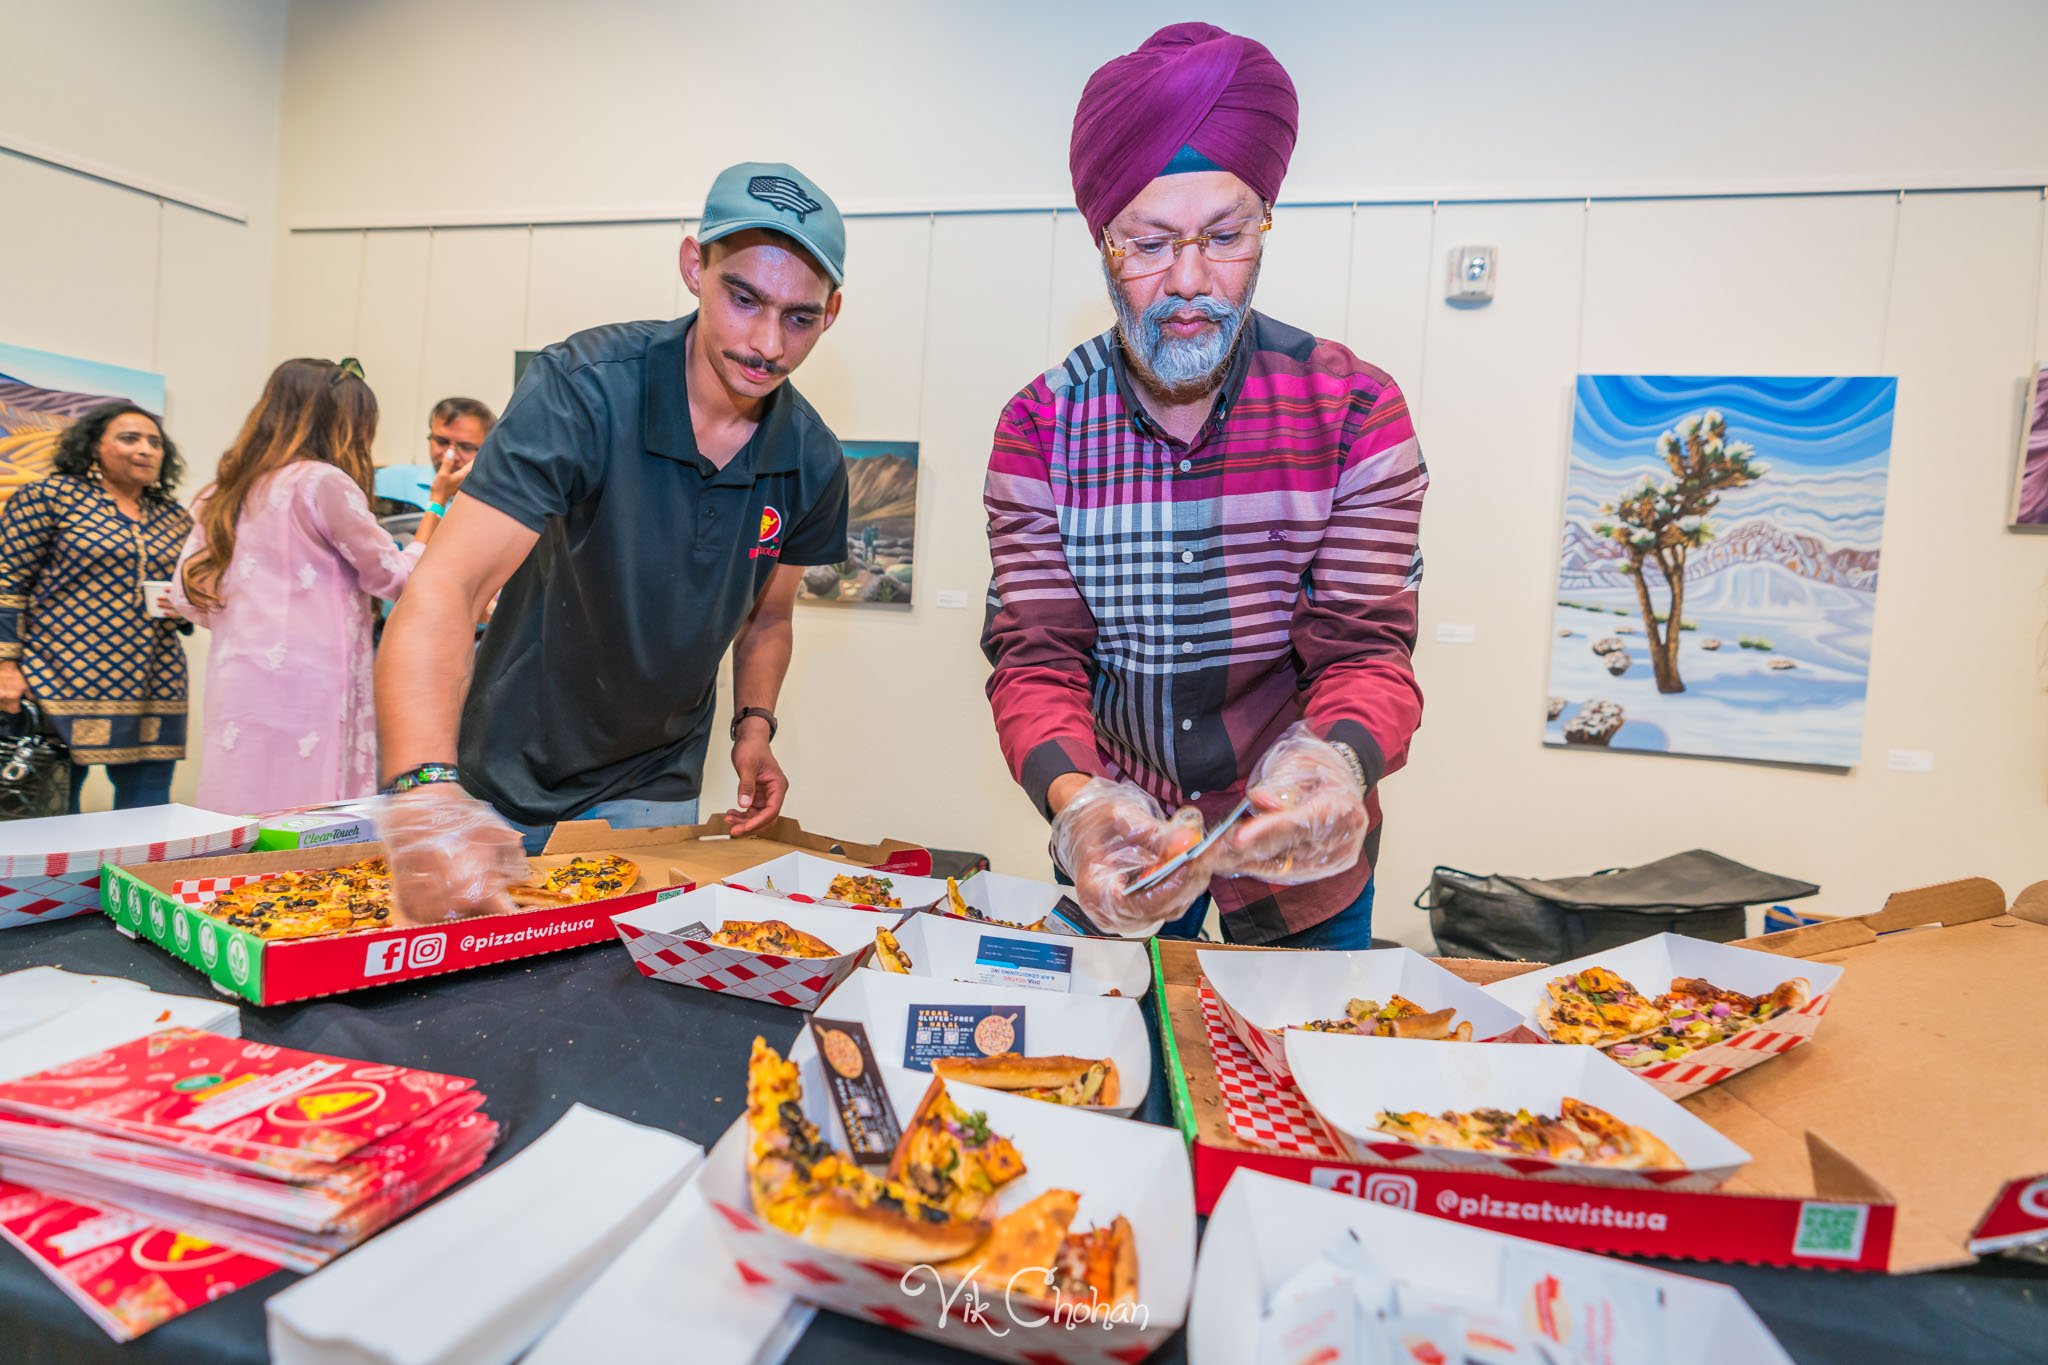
(1308, 815)
(451, 854)
(1112, 833)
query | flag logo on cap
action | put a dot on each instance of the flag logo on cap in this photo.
(779, 191)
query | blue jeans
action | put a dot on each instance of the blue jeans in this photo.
(625, 813)
(1350, 927)
(147, 783)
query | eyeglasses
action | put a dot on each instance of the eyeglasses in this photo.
(441, 445)
(1235, 240)
(348, 367)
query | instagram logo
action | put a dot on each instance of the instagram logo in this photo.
(1396, 1190)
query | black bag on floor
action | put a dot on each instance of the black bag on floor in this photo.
(35, 767)
(1698, 894)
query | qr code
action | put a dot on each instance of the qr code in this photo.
(1831, 1232)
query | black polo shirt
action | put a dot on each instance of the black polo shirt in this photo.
(595, 680)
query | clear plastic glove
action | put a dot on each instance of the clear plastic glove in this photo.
(451, 854)
(1111, 834)
(1308, 816)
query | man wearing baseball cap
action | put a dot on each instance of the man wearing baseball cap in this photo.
(649, 500)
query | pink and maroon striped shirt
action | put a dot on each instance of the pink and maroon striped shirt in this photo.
(1162, 611)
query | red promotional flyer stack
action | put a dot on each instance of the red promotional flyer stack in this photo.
(155, 1176)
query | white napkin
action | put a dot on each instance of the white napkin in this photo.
(472, 1280)
(674, 1295)
(48, 1016)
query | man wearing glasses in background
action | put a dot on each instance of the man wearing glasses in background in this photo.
(456, 429)
(1203, 528)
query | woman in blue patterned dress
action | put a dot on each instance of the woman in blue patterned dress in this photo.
(76, 635)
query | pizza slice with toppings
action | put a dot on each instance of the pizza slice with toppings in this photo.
(1594, 1006)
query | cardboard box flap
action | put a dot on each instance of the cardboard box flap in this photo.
(707, 853)
(2032, 904)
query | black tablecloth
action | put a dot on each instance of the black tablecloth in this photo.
(583, 1025)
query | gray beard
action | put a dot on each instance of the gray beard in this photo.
(1180, 371)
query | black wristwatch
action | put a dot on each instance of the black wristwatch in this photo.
(745, 711)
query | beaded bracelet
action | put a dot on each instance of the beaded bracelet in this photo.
(424, 775)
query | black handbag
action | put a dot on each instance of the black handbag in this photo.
(1699, 894)
(35, 767)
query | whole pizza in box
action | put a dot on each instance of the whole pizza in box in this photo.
(276, 1109)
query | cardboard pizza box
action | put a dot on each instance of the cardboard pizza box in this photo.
(1650, 964)
(1846, 1171)
(1137, 1170)
(159, 902)
(1348, 1082)
(669, 940)
(705, 852)
(907, 1018)
(965, 950)
(808, 877)
(50, 868)
(1266, 1230)
(1260, 992)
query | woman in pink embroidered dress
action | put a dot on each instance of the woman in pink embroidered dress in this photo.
(282, 566)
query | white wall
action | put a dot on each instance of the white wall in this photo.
(183, 100)
(424, 114)
(461, 111)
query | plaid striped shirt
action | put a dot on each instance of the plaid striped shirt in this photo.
(1162, 611)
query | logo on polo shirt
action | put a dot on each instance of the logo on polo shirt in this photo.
(771, 535)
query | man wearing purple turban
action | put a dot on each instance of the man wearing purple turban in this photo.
(1202, 525)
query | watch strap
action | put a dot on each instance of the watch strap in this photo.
(746, 711)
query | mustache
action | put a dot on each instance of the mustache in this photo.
(756, 362)
(1214, 309)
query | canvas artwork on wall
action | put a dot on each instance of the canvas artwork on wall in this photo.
(2030, 498)
(1719, 565)
(41, 393)
(881, 529)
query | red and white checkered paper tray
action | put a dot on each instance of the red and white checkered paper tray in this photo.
(50, 869)
(1138, 1170)
(1261, 992)
(807, 877)
(1264, 1109)
(1349, 1081)
(967, 950)
(1650, 964)
(653, 934)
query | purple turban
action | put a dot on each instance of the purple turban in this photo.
(1190, 85)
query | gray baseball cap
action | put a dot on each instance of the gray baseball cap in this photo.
(770, 194)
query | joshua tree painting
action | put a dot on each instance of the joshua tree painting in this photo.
(1662, 521)
(1718, 568)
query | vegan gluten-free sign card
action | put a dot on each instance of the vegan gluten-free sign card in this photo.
(934, 1031)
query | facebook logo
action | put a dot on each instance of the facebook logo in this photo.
(384, 957)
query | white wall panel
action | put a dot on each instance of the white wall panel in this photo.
(391, 333)
(316, 302)
(1393, 288)
(1305, 276)
(1747, 286)
(866, 375)
(77, 265)
(588, 276)
(476, 319)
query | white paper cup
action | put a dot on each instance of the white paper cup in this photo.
(153, 590)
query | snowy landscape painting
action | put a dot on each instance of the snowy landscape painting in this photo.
(1718, 572)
